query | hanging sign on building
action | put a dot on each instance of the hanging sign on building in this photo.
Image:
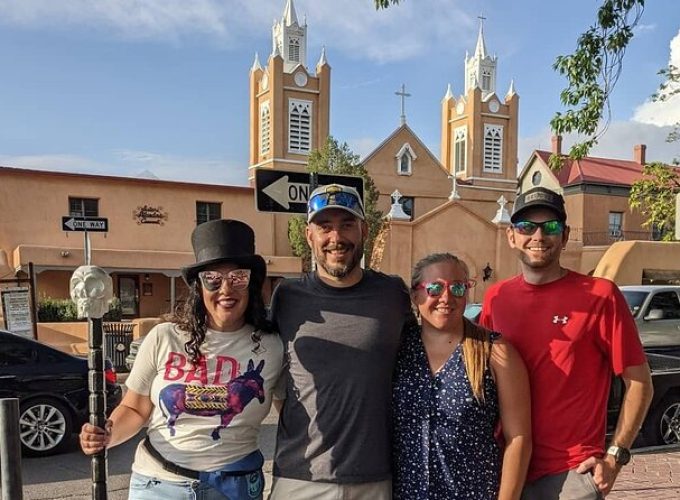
(16, 310)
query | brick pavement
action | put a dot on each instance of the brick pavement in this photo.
(652, 473)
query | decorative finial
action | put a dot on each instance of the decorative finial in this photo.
(449, 93)
(502, 215)
(256, 63)
(397, 210)
(322, 59)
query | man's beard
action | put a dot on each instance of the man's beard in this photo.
(341, 270)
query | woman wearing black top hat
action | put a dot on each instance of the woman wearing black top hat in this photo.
(202, 382)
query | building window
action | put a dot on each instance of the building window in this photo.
(486, 80)
(405, 158)
(615, 224)
(407, 204)
(493, 148)
(294, 50)
(206, 211)
(459, 149)
(83, 207)
(265, 126)
(299, 126)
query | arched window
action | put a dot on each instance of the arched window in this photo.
(405, 158)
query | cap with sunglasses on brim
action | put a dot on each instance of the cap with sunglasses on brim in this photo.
(221, 241)
(335, 196)
(539, 197)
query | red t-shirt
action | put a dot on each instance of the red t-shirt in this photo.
(572, 333)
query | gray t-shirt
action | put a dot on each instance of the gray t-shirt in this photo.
(340, 346)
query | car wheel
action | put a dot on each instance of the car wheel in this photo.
(44, 426)
(663, 424)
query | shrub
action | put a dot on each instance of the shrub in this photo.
(62, 310)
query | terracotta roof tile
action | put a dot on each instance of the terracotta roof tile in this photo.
(594, 170)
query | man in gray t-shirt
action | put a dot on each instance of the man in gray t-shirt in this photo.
(341, 327)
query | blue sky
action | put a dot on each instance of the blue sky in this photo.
(121, 87)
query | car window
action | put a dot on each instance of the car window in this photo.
(668, 302)
(15, 353)
(635, 300)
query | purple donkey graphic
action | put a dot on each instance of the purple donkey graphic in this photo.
(208, 401)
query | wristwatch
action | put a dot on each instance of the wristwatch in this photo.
(621, 455)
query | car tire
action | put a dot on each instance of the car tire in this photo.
(662, 426)
(45, 426)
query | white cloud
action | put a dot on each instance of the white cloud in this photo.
(356, 29)
(139, 163)
(363, 146)
(667, 112)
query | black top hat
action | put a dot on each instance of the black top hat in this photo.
(539, 197)
(224, 240)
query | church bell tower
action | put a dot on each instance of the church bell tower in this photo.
(289, 105)
(479, 129)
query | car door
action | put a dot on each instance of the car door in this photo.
(16, 358)
(662, 331)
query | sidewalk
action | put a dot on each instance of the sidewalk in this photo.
(653, 473)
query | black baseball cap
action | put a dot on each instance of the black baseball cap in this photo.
(539, 197)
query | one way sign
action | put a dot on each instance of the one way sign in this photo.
(288, 192)
(94, 224)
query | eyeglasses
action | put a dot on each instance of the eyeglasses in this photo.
(548, 228)
(238, 279)
(436, 288)
(336, 198)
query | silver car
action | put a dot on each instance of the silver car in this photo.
(656, 309)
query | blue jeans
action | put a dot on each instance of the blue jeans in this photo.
(150, 488)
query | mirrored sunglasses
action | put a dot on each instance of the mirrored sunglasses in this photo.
(342, 199)
(238, 279)
(436, 288)
(548, 228)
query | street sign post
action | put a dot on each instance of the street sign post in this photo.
(93, 224)
(288, 192)
(85, 225)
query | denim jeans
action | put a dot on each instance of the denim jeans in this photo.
(150, 488)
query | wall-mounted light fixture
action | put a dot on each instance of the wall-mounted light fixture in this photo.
(487, 272)
(64, 253)
(147, 277)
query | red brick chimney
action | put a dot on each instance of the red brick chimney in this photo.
(639, 151)
(556, 145)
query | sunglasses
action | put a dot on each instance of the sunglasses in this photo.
(548, 228)
(339, 198)
(436, 288)
(238, 279)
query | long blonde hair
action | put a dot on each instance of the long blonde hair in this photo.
(476, 340)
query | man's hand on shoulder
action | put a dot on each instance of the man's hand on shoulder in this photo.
(604, 472)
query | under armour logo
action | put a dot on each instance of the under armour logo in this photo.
(560, 319)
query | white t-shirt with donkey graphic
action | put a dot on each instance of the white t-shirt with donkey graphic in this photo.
(207, 416)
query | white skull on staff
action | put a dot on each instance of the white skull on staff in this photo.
(92, 291)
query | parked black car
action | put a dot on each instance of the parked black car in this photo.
(52, 390)
(662, 424)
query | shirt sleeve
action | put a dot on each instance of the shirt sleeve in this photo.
(619, 333)
(145, 367)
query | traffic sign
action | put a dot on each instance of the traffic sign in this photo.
(93, 224)
(288, 192)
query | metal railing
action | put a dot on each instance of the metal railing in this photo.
(599, 238)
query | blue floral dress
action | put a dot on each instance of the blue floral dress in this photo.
(443, 442)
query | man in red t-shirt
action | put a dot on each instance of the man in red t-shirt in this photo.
(573, 332)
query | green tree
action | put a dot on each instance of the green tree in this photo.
(654, 197)
(655, 194)
(336, 158)
(383, 4)
(592, 72)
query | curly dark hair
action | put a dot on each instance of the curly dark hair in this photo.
(192, 317)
